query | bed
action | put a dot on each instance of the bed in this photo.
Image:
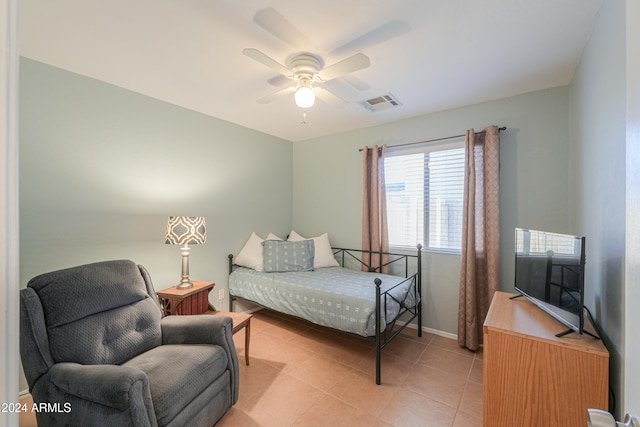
(341, 296)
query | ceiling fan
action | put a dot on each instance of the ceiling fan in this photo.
(307, 70)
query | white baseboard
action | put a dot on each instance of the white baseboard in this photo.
(434, 331)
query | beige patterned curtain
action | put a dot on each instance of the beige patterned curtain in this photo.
(375, 236)
(480, 264)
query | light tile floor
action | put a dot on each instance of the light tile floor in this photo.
(305, 375)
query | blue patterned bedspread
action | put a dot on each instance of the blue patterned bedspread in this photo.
(337, 297)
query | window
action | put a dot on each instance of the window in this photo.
(424, 189)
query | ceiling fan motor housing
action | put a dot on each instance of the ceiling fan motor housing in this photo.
(305, 65)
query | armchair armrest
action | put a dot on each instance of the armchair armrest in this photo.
(197, 329)
(34, 345)
(114, 386)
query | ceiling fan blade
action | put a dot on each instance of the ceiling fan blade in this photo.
(279, 80)
(270, 20)
(349, 65)
(380, 34)
(275, 95)
(267, 60)
(356, 82)
(328, 97)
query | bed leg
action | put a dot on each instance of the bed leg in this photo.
(420, 319)
(378, 282)
(419, 310)
(419, 289)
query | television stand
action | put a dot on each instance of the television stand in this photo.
(555, 379)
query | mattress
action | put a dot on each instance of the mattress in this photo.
(335, 297)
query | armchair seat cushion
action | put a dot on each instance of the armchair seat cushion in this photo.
(178, 374)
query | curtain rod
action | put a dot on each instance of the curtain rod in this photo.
(436, 139)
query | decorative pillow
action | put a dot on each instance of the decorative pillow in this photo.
(251, 253)
(323, 255)
(281, 256)
(272, 236)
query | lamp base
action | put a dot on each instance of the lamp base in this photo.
(185, 282)
(185, 285)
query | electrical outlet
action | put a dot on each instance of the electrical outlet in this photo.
(221, 294)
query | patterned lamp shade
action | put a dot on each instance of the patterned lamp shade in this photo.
(186, 230)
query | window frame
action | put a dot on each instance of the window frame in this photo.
(419, 148)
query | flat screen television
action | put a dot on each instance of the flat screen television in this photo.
(550, 272)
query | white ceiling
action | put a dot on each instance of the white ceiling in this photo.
(443, 54)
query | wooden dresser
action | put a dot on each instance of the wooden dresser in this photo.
(533, 378)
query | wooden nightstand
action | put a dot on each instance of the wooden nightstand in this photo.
(194, 300)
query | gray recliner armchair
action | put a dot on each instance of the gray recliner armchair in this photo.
(96, 349)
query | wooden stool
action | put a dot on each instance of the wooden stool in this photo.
(240, 320)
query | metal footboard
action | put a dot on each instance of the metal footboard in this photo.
(394, 326)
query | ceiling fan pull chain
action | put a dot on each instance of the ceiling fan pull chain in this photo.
(304, 117)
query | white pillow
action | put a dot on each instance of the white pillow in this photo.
(323, 253)
(251, 253)
(272, 236)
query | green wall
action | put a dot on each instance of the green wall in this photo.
(101, 169)
(327, 182)
(598, 152)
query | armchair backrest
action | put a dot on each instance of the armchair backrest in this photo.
(101, 313)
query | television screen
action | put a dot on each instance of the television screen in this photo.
(550, 272)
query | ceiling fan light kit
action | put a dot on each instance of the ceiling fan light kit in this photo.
(305, 68)
(305, 97)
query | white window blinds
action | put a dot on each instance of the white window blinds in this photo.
(424, 187)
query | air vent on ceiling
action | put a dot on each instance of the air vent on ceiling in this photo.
(381, 102)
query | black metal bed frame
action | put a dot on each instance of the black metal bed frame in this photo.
(395, 325)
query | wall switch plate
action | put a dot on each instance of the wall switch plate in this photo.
(221, 294)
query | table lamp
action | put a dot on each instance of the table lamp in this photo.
(185, 231)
